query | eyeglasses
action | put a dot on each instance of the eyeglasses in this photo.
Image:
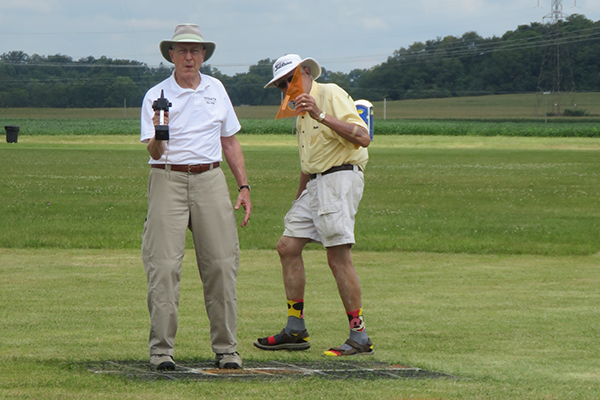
(181, 51)
(284, 83)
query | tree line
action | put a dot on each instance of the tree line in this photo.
(537, 57)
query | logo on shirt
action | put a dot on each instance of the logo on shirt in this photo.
(210, 100)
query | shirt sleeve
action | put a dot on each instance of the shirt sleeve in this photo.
(147, 126)
(231, 124)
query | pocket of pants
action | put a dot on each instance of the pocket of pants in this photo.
(330, 220)
(330, 209)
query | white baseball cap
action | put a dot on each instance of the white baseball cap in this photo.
(286, 64)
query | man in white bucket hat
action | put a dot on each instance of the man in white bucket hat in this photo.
(333, 141)
(187, 189)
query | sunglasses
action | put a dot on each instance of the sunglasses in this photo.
(284, 83)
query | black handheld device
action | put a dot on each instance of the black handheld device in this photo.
(161, 131)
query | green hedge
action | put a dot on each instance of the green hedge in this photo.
(488, 128)
(554, 128)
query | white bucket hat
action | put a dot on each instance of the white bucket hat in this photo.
(186, 33)
(286, 64)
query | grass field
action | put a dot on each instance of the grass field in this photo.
(461, 196)
(511, 327)
(478, 257)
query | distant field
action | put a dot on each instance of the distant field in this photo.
(510, 106)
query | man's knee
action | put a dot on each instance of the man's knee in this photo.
(339, 257)
(283, 247)
(289, 247)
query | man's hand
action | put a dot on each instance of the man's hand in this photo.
(244, 201)
(306, 103)
(157, 148)
(156, 118)
(235, 159)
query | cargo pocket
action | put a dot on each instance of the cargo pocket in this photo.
(330, 221)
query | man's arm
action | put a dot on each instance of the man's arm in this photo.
(157, 148)
(304, 178)
(353, 133)
(235, 158)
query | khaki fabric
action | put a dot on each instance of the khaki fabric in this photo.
(325, 212)
(176, 201)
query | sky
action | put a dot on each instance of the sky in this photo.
(341, 34)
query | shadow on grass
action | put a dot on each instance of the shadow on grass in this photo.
(205, 369)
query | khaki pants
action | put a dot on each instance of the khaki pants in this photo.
(176, 201)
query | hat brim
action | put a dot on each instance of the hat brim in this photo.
(165, 45)
(315, 71)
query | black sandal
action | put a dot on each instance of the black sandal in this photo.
(356, 349)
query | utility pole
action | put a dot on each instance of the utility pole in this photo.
(557, 11)
(554, 18)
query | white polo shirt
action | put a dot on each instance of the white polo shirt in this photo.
(197, 121)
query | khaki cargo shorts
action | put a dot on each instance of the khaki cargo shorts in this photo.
(325, 211)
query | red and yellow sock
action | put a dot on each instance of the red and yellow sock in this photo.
(358, 333)
(356, 320)
(296, 308)
(295, 321)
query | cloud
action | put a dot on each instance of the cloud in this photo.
(374, 24)
(347, 34)
(33, 6)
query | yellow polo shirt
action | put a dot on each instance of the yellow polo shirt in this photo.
(320, 147)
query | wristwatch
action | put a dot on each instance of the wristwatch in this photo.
(321, 117)
(244, 187)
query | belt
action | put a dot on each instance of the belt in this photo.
(343, 167)
(189, 168)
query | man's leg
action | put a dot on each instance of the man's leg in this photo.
(292, 264)
(163, 246)
(215, 236)
(340, 263)
(294, 336)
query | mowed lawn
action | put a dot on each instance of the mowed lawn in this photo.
(478, 258)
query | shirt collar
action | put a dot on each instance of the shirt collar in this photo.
(314, 88)
(179, 91)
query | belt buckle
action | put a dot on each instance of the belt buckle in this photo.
(189, 171)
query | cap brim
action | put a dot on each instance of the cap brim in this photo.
(315, 68)
(165, 45)
(271, 83)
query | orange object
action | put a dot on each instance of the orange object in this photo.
(295, 89)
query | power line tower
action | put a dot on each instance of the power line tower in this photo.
(556, 64)
(557, 12)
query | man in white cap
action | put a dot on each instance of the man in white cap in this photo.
(333, 141)
(187, 189)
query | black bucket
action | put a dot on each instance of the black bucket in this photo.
(12, 133)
